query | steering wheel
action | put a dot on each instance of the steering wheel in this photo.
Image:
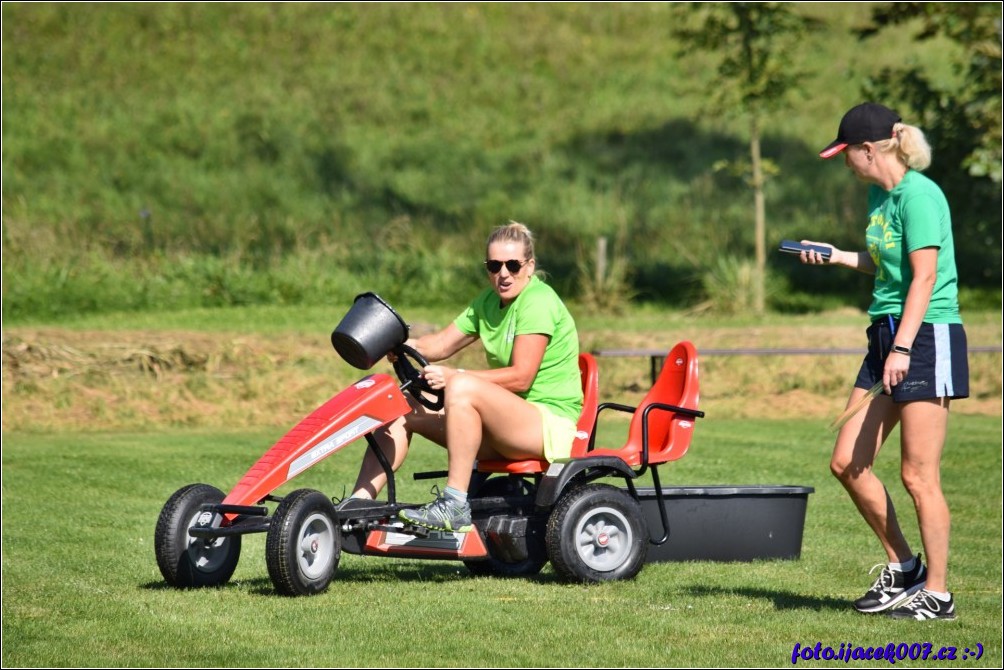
(412, 380)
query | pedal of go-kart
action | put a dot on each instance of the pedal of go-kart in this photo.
(413, 541)
(363, 508)
(411, 529)
(404, 529)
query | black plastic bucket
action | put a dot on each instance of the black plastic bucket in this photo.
(727, 523)
(369, 331)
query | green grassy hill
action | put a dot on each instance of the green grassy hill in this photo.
(174, 155)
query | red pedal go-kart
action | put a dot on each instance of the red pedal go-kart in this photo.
(525, 513)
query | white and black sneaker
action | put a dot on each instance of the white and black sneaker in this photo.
(926, 606)
(891, 588)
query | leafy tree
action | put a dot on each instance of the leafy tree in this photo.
(962, 124)
(754, 43)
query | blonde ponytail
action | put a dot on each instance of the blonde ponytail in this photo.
(910, 145)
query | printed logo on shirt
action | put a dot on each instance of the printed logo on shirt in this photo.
(879, 236)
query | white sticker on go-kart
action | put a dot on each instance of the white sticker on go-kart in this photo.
(434, 540)
(581, 435)
(365, 384)
(554, 469)
(360, 426)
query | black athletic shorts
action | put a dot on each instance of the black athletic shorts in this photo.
(939, 364)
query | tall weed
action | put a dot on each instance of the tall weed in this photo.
(729, 286)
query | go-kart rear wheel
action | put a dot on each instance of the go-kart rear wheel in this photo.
(597, 533)
(186, 561)
(304, 544)
(496, 565)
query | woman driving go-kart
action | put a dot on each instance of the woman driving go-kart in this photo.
(526, 402)
(525, 425)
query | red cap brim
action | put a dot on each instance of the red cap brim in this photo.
(833, 150)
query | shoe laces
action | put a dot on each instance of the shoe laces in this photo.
(446, 502)
(440, 507)
(886, 578)
(923, 600)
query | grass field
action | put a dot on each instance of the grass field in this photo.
(81, 586)
(193, 191)
(104, 418)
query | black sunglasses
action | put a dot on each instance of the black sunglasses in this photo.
(512, 265)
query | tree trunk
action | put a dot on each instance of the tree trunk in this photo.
(759, 217)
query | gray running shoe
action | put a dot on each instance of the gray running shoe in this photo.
(891, 588)
(441, 514)
(924, 606)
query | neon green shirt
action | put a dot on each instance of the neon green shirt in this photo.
(536, 310)
(913, 215)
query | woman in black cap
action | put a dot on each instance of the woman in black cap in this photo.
(916, 349)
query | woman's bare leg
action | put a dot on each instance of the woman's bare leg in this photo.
(483, 417)
(395, 440)
(854, 453)
(922, 432)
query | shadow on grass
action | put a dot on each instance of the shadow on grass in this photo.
(783, 600)
(375, 572)
(437, 572)
(415, 571)
(427, 571)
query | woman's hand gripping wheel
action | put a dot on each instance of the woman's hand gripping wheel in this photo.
(412, 380)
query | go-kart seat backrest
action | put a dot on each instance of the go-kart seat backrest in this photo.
(668, 433)
(589, 373)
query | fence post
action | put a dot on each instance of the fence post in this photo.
(601, 262)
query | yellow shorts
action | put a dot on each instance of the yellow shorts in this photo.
(559, 433)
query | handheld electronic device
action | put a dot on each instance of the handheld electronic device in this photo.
(793, 247)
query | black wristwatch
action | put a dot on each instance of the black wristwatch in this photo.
(898, 349)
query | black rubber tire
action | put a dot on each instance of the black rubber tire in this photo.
(494, 566)
(185, 561)
(597, 533)
(304, 544)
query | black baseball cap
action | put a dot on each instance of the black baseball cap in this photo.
(868, 122)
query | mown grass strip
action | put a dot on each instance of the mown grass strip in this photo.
(81, 587)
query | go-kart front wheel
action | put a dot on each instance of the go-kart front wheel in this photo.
(304, 544)
(187, 561)
(595, 533)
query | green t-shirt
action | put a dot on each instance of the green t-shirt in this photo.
(913, 215)
(536, 310)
